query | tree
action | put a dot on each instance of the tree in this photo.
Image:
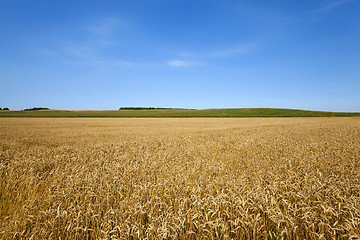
(5, 109)
(35, 109)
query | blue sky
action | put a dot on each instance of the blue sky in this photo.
(62, 54)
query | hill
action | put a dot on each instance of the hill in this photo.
(168, 113)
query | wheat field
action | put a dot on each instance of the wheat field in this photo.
(247, 178)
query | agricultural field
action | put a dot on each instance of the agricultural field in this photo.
(177, 113)
(180, 178)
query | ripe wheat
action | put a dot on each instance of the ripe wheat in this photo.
(180, 178)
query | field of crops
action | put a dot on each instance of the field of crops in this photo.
(244, 178)
(178, 113)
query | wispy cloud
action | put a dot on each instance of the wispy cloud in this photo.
(106, 26)
(200, 57)
(333, 5)
(188, 54)
(328, 7)
(125, 63)
(182, 63)
(314, 15)
(230, 52)
(84, 53)
(93, 49)
(46, 52)
(224, 52)
(114, 63)
(85, 56)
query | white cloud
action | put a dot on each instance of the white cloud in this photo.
(84, 55)
(109, 63)
(221, 53)
(188, 54)
(225, 52)
(314, 15)
(80, 52)
(47, 52)
(182, 63)
(335, 4)
(230, 52)
(125, 63)
(106, 26)
(329, 7)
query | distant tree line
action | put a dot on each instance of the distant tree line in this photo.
(4, 109)
(141, 108)
(35, 109)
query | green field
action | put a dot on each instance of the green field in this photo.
(168, 113)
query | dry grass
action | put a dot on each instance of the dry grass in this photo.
(180, 178)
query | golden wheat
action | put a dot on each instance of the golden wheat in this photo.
(274, 178)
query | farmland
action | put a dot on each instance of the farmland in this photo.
(180, 178)
(178, 113)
